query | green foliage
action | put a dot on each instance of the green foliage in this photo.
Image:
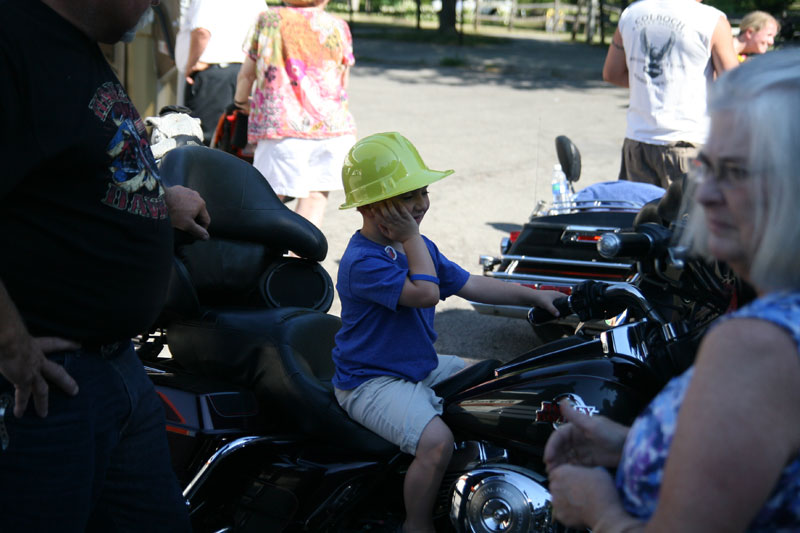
(738, 8)
(392, 32)
(406, 10)
(393, 8)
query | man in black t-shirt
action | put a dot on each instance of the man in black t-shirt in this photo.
(86, 240)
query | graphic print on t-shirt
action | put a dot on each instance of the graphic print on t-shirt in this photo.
(654, 60)
(655, 54)
(135, 183)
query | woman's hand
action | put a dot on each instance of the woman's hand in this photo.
(585, 440)
(586, 497)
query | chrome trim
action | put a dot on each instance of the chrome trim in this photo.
(572, 206)
(590, 229)
(631, 293)
(570, 262)
(501, 498)
(211, 464)
(505, 244)
(673, 331)
(535, 278)
(511, 311)
(628, 340)
(488, 262)
(471, 454)
(553, 280)
(589, 204)
(669, 332)
(611, 244)
(677, 256)
(571, 234)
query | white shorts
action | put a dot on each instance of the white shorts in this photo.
(396, 409)
(295, 167)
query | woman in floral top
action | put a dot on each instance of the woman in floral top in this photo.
(293, 84)
(719, 448)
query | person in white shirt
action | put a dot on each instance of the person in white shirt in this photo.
(218, 29)
(666, 52)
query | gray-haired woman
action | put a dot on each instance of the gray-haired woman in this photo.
(719, 448)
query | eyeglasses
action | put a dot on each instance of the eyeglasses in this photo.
(725, 173)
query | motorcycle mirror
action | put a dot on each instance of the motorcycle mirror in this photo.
(569, 157)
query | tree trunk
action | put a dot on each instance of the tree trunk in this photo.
(447, 17)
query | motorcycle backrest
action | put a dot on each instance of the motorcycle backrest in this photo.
(569, 157)
(666, 209)
(670, 204)
(242, 205)
(250, 230)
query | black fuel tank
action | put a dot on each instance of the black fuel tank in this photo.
(519, 407)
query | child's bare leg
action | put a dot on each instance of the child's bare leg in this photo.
(425, 475)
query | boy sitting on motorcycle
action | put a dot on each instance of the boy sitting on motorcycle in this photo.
(390, 280)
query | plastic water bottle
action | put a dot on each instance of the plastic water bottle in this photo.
(561, 196)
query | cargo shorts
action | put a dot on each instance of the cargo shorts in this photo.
(396, 409)
(657, 164)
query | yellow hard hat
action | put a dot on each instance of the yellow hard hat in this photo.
(382, 166)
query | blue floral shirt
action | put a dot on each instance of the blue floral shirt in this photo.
(647, 446)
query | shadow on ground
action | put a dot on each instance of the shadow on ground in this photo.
(505, 227)
(521, 63)
(503, 338)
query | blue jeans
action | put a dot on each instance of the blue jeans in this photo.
(98, 462)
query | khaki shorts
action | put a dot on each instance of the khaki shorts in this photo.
(396, 409)
(658, 164)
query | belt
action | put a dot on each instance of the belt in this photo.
(107, 350)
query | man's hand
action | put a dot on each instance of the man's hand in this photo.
(198, 41)
(199, 66)
(22, 360)
(187, 211)
(23, 363)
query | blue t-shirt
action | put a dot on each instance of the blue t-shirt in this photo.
(647, 446)
(379, 337)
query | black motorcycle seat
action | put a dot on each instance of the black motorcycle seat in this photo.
(242, 205)
(284, 356)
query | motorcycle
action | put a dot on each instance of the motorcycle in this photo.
(556, 247)
(256, 435)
